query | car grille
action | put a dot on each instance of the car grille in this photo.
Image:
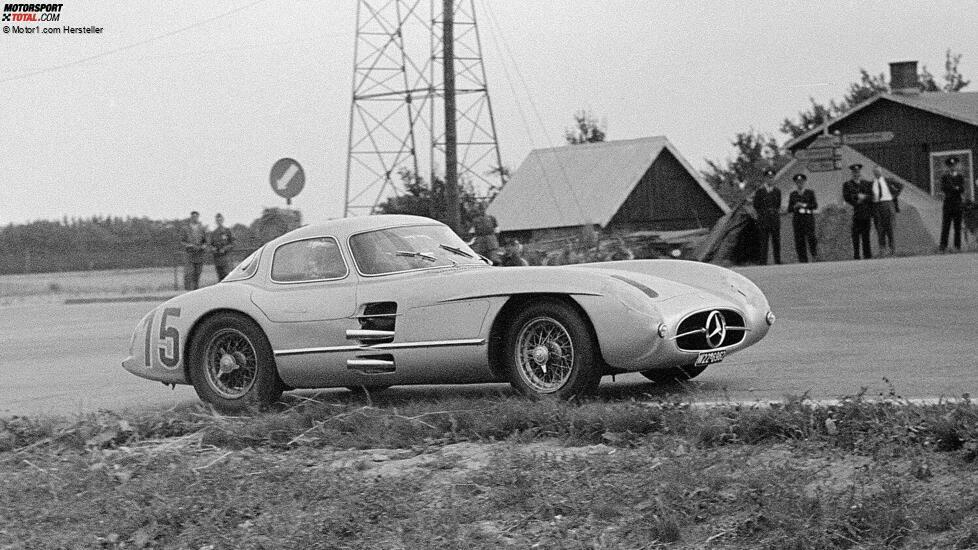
(694, 333)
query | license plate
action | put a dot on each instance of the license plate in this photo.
(709, 357)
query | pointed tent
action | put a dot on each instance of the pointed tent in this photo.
(609, 183)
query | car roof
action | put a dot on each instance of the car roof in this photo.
(344, 227)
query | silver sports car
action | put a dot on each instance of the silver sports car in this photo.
(377, 301)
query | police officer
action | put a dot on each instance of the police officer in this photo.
(952, 185)
(193, 238)
(859, 193)
(802, 205)
(767, 203)
(221, 241)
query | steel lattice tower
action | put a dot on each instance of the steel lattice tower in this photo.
(397, 112)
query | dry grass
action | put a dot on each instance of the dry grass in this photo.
(495, 472)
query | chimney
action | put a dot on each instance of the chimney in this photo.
(903, 78)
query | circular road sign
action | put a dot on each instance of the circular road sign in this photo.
(287, 178)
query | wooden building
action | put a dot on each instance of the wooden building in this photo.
(908, 132)
(628, 185)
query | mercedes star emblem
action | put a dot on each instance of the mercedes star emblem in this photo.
(716, 329)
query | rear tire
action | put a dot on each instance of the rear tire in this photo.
(550, 350)
(673, 375)
(232, 366)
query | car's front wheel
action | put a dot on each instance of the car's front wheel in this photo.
(232, 366)
(550, 351)
(673, 375)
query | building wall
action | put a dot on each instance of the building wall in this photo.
(666, 198)
(917, 134)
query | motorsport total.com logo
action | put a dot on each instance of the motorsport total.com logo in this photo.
(27, 13)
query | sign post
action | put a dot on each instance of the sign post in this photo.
(287, 179)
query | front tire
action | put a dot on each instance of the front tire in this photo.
(232, 366)
(550, 350)
(673, 375)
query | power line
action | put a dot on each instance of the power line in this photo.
(168, 34)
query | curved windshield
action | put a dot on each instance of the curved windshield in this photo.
(246, 268)
(408, 248)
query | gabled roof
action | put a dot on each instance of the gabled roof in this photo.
(961, 106)
(581, 184)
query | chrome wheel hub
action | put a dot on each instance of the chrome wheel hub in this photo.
(544, 355)
(230, 363)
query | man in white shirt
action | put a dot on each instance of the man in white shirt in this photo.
(885, 193)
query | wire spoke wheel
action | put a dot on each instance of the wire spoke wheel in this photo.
(230, 363)
(544, 354)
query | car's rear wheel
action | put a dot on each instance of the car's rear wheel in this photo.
(232, 366)
(550, 351)
(673, 375)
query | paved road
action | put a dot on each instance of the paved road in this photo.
(841, 326)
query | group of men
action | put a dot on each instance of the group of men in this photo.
(197, 242)
(802, 205)
(874, 202)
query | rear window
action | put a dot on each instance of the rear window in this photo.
(308, 260)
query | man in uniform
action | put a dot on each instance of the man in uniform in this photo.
(221, 241)
(885, 194)
(859, 192)
(193, 238)
(952, 185)
(767, 203)
(802, 205)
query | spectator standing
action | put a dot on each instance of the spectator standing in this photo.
(885, 195)
(193, 239)
(952, 185)
(221, 242)
(858, 192)
(767, 203)
(512, 255)
(486, 243)
(802, 205)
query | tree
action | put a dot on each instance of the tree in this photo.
(587, 129)
(736, 178)
(953, 81)
(423, 199)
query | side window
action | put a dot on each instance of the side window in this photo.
(308, 260)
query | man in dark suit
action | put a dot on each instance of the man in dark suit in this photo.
(886, 191)
(952, 185)
(802, 205)
(859, 193)
(767, 203)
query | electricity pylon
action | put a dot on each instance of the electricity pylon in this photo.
(397, 115)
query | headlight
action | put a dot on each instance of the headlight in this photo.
(770, 318)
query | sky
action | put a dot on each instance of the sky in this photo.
(180, 106)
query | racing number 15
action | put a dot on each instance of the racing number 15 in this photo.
(169, 340)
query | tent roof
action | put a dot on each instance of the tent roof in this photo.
(581, 184)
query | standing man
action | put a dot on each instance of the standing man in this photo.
(952, 185)
(486, 243)
(221, 241)
(858, 192)
(767, 203)
(885, 195)
(193, 240)
(802, 205)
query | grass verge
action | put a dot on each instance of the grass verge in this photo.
(491, 472)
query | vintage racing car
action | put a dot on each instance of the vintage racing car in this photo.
(377, 301)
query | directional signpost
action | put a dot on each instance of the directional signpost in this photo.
(287, 179)
(823, 155)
